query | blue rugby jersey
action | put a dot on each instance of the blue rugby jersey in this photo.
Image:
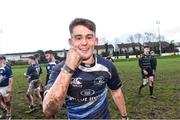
(49, 67)
(34, 71)
(6, 72)
(86, 96)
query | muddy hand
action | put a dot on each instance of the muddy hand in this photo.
(73, 58)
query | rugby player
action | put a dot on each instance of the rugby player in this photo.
(33, 75)
(6, 81)
(83, 79)
(147, 64)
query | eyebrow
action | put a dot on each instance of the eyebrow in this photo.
(79, 35)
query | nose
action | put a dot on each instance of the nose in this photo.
(84, 41)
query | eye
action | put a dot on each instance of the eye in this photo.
(78, 37)
(89, 37)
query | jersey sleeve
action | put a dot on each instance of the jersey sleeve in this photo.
(47, 68)
(114, 82)
(28, 72)
(55, 72)
(9, 73)
(153, 63)
(140, 62)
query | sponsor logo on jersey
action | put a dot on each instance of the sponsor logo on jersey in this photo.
(87, 92)
(84, 99)
(76, 82)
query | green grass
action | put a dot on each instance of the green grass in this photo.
(167, 90)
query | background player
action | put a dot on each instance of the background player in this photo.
(147, 65)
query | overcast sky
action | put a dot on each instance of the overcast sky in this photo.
(31, 25)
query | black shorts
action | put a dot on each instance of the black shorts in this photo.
(150, 73)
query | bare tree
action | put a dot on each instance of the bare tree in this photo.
(139, 38)
(116, 42)
(131, 40)
(103, 41)
(150, 37)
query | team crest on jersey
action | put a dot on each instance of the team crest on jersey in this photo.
(99, 80)
(76, 82)
(87, 92)
(48, 67)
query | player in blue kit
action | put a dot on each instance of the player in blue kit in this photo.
(83, 79)
(49, 55)
(6, 62)
(6, 81)
(38, 66)
(33, 74)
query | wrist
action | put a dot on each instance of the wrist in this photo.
(67, 69)
(124, 117)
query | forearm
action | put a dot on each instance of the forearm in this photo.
(10, 83)
(120, 102)
(54, 99)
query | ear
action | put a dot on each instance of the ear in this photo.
(96, 41)
(70, 41)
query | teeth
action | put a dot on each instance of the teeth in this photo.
(84, 49)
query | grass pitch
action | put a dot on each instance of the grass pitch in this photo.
(167, 91)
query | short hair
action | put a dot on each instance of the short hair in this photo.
(49, 52)
(1, 58)
(146, 46)
(4, 57)
(32, 57)
(81, 21)
(36, 55)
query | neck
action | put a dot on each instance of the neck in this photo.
(1, 65)
(53, 59)
(146, 53)
(89, 61)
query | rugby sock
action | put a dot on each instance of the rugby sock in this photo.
(151, 90)
(141, 88)
(3, 109)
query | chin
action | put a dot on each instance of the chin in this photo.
(86, 57)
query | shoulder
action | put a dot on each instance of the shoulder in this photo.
(2, 69)
(57, 61)
(102, 60)
(7, 69)
(142, 55)
(105, 62)
(58, 66)
(55, 72)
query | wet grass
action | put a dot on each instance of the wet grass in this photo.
(167, 91)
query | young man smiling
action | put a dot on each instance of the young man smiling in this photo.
(83, 79)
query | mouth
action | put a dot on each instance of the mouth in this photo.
(84, 50)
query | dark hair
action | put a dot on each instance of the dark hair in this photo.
(81, 21)
(4, 57)
(49, 52)
(32, 57)
(146, 46)
(1, 58)
(36, 55)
